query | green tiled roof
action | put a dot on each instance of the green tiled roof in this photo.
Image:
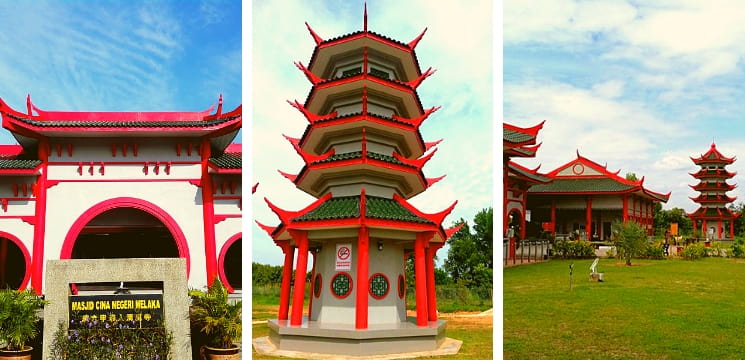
(347, 207)
(228, 161)
(389, 209)
(19, 164)
(114, 124)
(581, 185)
(535, 177)
(516, 136)
(358, 154)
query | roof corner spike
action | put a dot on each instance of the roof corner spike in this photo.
(28, 104)
(414, 42)
(219, 105)
(315, 36)
(312, 77)
(365, 17)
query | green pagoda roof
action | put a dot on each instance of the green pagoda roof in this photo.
(228, 160)
(18, 164)
(581, 185)
(348, 207)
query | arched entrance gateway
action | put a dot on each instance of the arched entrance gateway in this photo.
(125, 228)
(230, 263)
(15, 262)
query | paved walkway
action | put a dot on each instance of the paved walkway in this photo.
(264, 346)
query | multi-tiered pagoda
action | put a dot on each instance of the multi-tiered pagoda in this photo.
(363, 155)
(713, 216)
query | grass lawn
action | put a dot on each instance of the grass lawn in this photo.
(663, 309)
(475, 332)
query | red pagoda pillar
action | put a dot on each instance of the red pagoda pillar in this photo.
(588, 218)
(284, 293)
(298, 296)
(363, 261)
(553, 217)
(431, 294)
(625, 210)
(421, 275)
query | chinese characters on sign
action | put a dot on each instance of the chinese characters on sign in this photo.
(145, 309)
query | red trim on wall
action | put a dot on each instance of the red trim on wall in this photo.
(123, 162)
(26, 257)
(127, 202)
(221, 260)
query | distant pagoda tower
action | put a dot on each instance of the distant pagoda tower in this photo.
(713, 216)
(363, 155)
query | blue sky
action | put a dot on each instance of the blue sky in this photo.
(458, 43)
(639, 87)
(120, 55)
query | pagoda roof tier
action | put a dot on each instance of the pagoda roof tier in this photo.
(404, 132)
(713, 156)
(710, 198)
(13, 161)
(713, 186)
(330, 212)
(714, 213)
(408, 105)
(713, 173)
(327, 52)
(318, 174)
(522, 173)
(229, 162)
(517, 141)
(584, 176)
(28, 128)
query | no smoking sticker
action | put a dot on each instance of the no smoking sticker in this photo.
(343, 257)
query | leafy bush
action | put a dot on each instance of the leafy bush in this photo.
(718, 249)
(611, 253)
(569, 249)
(694, 251)
(215, 316)
(655, 252)
(104, 340)
(738, 248)
(18, 317)
(630, 239)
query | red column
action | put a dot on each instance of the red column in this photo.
(301, 268)
(719, 229)
(363, 263)
(208, 215)
(625, 210)
(431, 293)
(704, 229)
(421, 279)
(588, 218)
(284, 293)
(312, 279)
(553, 216)
(37, 259)
(694, 224)
(732, 228)
(524, 214)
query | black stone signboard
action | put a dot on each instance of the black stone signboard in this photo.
(139, 310)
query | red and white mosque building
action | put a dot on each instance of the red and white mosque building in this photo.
(82, 185)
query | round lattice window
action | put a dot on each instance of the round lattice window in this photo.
(378, 286)
(341, 285)
(317, 285)
(401, 286)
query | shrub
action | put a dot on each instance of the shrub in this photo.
(215, 316)
(630, 239)
(611, 253)
(694, 251)
(18, 317)
(111, 340)
(738, 247)
(655, 252)
(569, 249)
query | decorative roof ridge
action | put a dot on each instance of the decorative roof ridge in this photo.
(533, 130)
(519, 168)
(717, 156)
(436, 218)
(597, 167)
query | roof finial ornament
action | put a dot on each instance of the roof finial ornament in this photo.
(315, 36)
(365, 16)
(219, 105)
(28, 104)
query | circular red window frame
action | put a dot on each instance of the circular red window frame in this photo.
(351, 285)
(317, 291)
(369, 286)
(578, 169)
(401, 281)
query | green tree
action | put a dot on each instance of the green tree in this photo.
(631, 177)
(740, 221)
(663, 219)
(469, 261)
(630, 239)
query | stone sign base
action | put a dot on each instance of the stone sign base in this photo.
(342, 339)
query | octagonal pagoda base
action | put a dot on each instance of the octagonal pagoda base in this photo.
(343, 339)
